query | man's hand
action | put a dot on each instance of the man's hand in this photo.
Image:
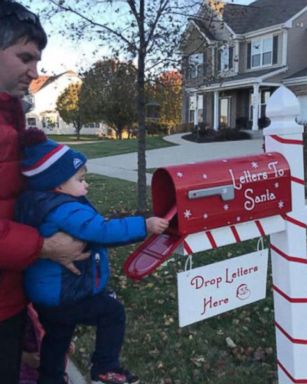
(156, 225)
(64, 249)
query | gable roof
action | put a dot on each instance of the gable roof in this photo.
(260, 14)
(38, 83)
(42, 81)
(301, 73)
(203, 28)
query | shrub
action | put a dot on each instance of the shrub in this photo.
(231, 134)
(242, 123)
(263, 122)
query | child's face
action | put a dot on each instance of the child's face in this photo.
(76, 185)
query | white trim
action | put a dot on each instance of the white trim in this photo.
(203, 34)
(296, 15)
(263, 31)
(216, 98)
(277, 72)
(296, 81)
(51, 160)
(284, 46)
(243, 83)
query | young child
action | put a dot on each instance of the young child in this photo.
(55, 201)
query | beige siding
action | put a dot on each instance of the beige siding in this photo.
(297, 45)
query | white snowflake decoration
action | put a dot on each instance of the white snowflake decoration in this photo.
(226, 207)
(255, 165)
(276, 185)
(238, 218)
(205, 176)
(179, 174)
(187, 214)
(281, 204)
(205, 216)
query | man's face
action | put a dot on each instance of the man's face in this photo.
(18, 67)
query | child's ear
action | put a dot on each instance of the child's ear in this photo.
(59, 188)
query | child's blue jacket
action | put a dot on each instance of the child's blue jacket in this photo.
(48, 283)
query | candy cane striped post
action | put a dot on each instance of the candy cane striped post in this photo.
(288, 247)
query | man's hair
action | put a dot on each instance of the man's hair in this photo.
(18, 23)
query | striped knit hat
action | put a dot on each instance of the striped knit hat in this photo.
(45, 163)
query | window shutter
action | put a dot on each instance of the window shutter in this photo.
(186, 68)
(249, 54)
(219, 61)
(230, 63)
(275, 49)
(204, 66)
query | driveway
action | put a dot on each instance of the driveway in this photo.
(125, 166)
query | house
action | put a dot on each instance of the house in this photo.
(235, 56)
(44, 92)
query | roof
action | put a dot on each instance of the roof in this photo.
(38, 83)
(301, 73)
(42, 81)
(257, 15)
(203, 28)
(260, 14)
(248, 75)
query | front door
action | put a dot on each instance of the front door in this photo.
(224, 112)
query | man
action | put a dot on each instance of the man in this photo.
(22, 40)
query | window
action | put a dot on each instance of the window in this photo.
(256, 53)
(191, 116)
(50, 121)
(192, 108)
(225, 58)
(200, 108)
(267, 51)
(31, 122)
(195, 65)
(262, 52)
(91, 125)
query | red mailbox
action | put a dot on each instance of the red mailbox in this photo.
(202, 196)
(222, 192)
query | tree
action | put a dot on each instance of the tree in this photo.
(69, 107)
(147, 31)
(166, 92)
(109, 94)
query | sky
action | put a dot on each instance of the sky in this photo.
(62, 55)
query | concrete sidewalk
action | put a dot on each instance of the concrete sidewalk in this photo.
(125, 166)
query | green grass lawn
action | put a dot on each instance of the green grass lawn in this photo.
(155, 347)
(103, 148)
(71, 138)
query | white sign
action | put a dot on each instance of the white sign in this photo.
(220, 287)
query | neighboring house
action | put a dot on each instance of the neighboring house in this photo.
(235, 56)
(44, 92)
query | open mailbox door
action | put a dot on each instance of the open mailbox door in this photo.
(152, 252)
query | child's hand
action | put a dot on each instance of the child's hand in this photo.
(156, 225)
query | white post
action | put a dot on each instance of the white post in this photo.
(196, 112)
(216, 110)
(288, 248)
(255, 107)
